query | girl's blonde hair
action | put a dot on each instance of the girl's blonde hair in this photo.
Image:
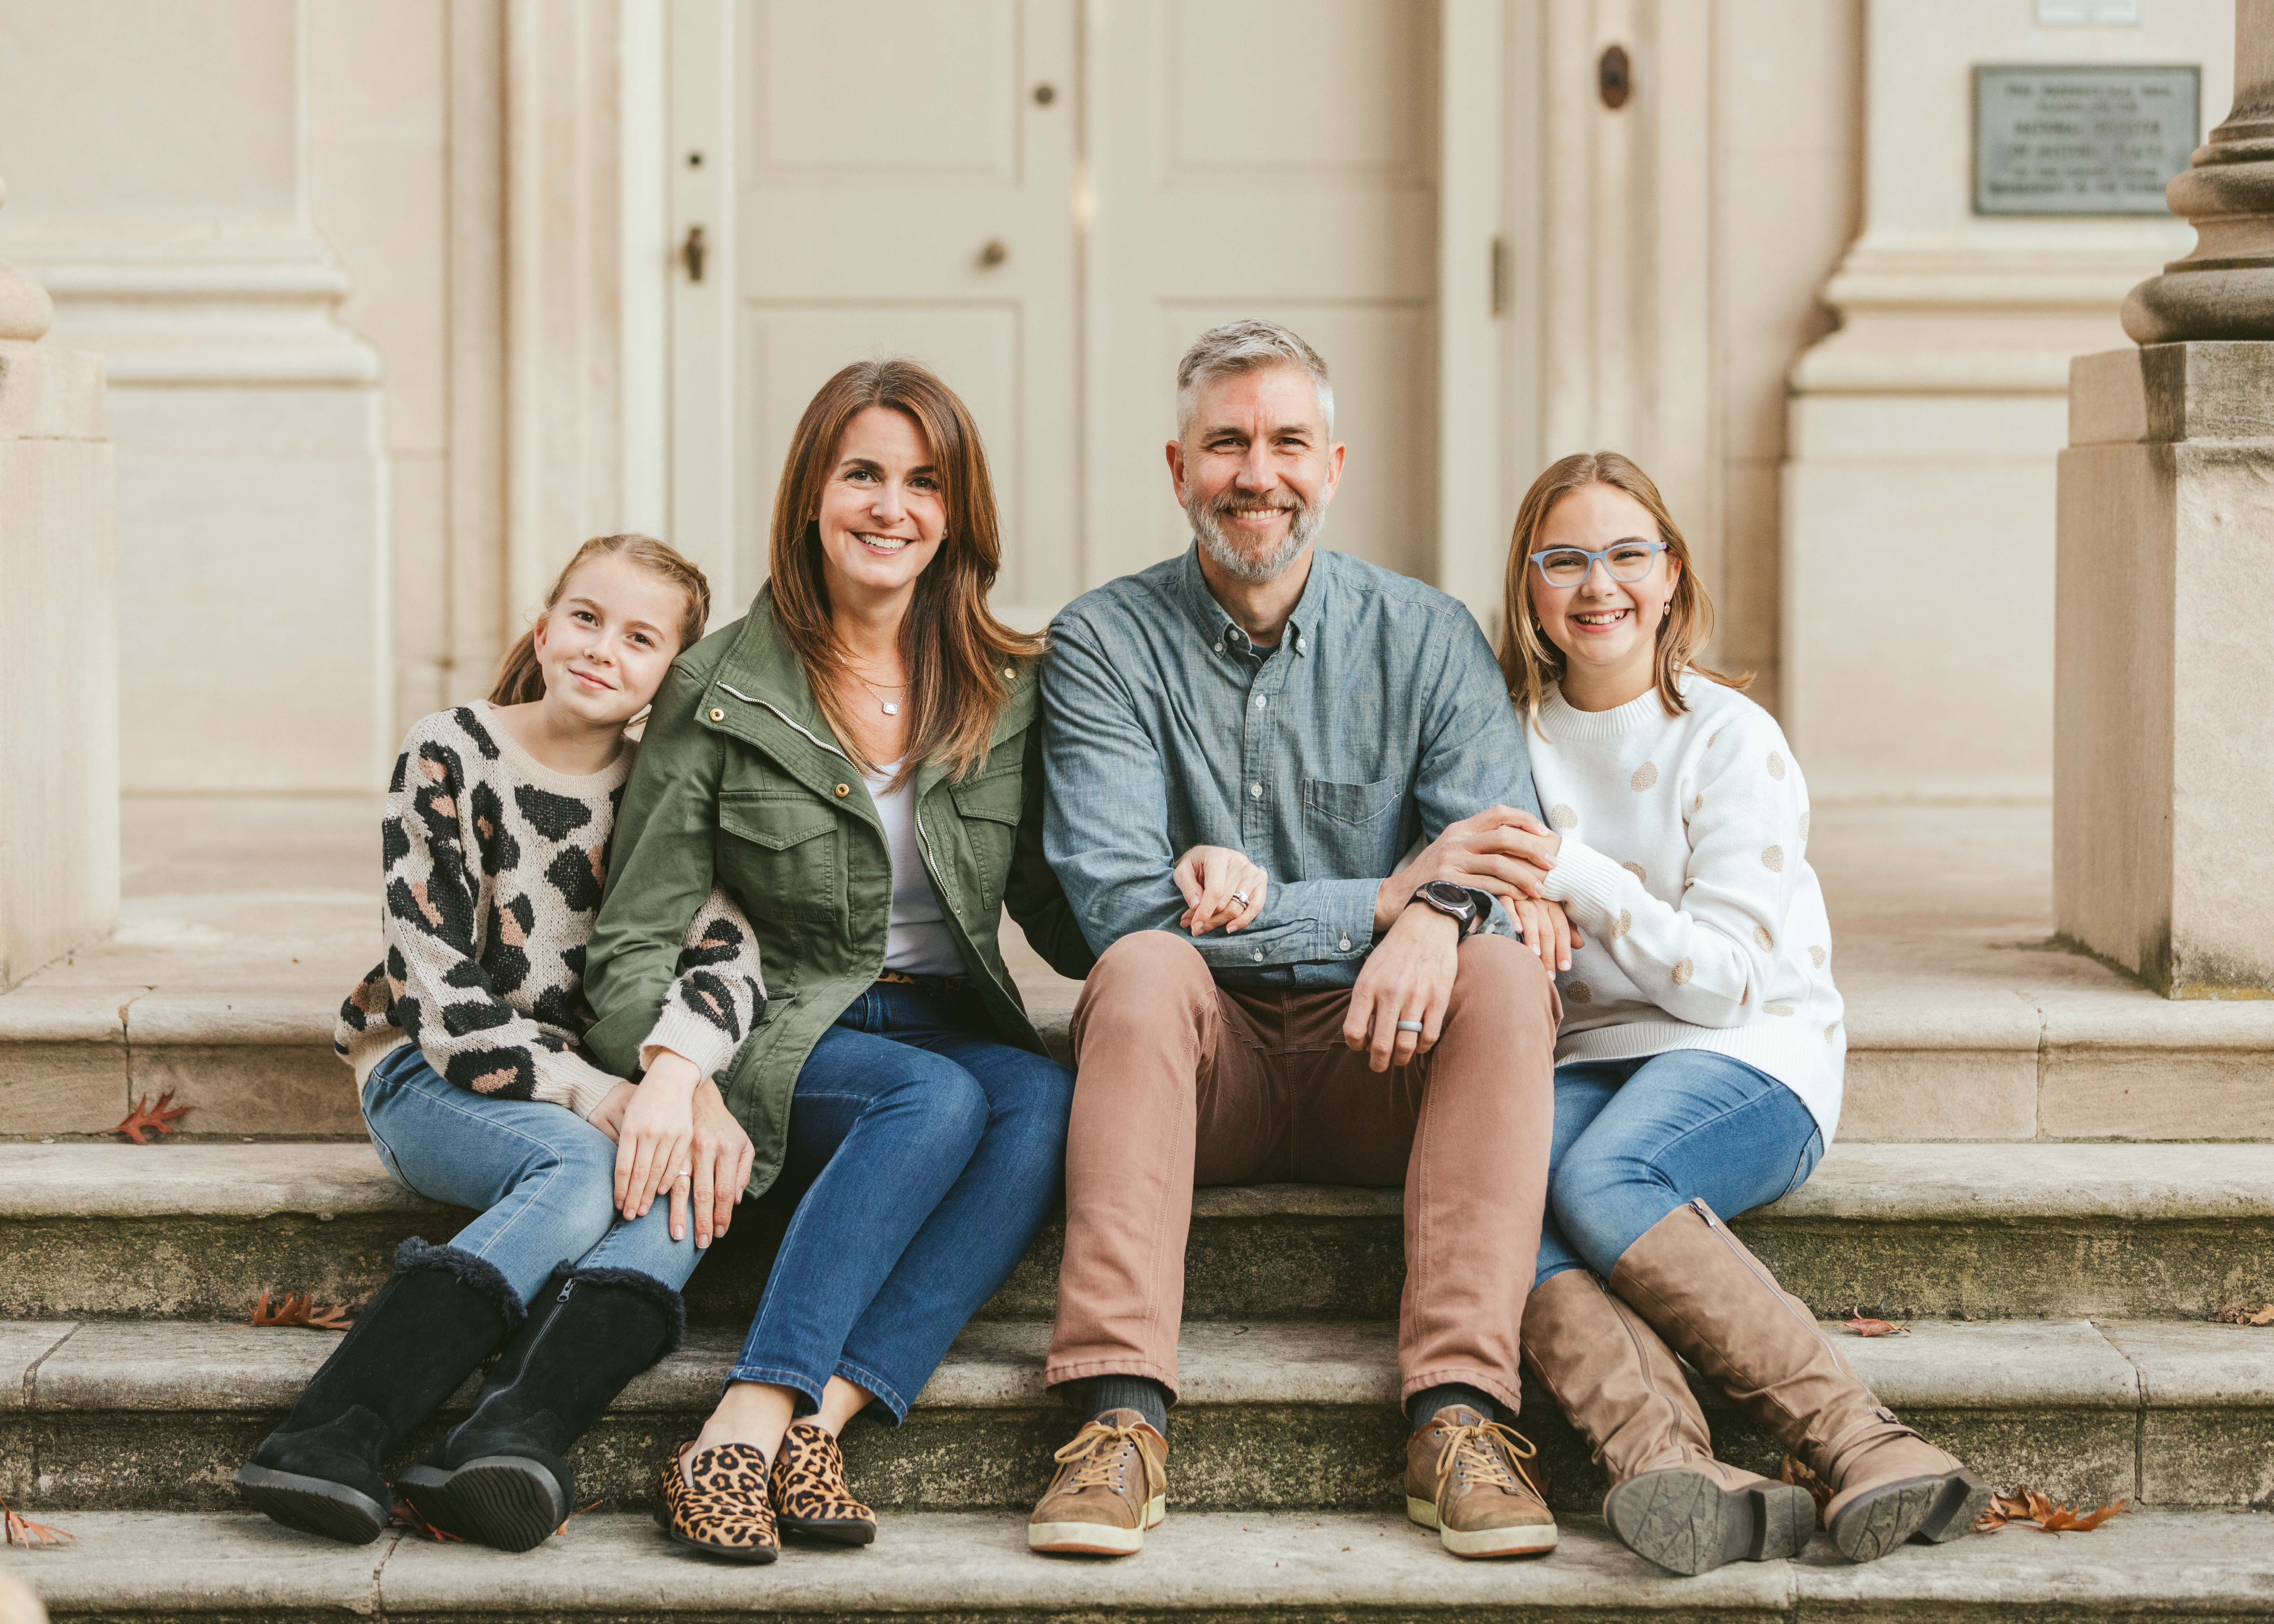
(519, 677)
(1528, 658)
(951, 643)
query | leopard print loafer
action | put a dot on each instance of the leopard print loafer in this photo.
(809, 1489)
(727, 1513)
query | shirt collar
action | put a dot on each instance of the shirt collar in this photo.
(1223, 633)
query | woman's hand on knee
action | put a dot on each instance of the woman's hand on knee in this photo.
(1220, 887)
(658, 1127)
(722, 1158)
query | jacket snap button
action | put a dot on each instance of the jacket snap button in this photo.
(1009, 675)
(718, 715)
(844, 789)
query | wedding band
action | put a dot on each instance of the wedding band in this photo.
(1409, 1025)
(1241, 896)
(684, 1173)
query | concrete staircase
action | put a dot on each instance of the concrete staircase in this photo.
(2029, 1175)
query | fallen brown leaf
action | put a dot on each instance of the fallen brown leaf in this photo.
(1875, 1327)
(18, 1530)
(407, 1513)
(2238, 1313)
(1795, 1471)
(2031, 1505)
(163, 1117)
(298, 1309)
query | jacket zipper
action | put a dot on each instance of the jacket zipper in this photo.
(787, 721)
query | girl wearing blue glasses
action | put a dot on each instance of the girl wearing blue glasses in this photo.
(1699, 1064)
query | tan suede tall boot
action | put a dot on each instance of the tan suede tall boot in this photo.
(1670, 1500)
(1723, 1310)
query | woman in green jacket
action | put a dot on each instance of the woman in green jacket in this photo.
(854, 763)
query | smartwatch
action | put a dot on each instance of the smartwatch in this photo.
(1470, 910)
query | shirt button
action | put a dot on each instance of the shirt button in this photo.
(1219, 647)
(1302, 645)
(718, 715)
(1256, 790)
(1259, 702)
(1259, 954)
(1346, 944)
(844, 789)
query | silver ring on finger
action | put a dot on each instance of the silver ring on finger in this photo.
(1409, 1025)
(683, 1174)
(1241, 896)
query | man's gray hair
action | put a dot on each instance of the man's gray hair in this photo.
(1240, 347)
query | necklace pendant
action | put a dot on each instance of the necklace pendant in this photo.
(891, 706)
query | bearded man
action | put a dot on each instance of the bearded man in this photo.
(1239, 745)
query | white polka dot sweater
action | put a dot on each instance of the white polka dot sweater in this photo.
(1684, 863)
(494, 868)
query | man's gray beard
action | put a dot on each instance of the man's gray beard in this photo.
(1303, 529)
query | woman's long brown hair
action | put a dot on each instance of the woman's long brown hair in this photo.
(952, 646)
(1528, 658)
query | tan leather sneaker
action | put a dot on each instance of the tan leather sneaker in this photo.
(1465, 1476)
(1112, 1484)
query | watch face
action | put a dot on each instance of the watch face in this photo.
(1446, 894)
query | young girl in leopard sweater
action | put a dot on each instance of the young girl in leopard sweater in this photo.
(465, 1044)
(1699, 1062)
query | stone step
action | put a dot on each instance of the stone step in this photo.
(1197, 1569)
(2129, 1231)
(157, 1415)
(1927, 1061)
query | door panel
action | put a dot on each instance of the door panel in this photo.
(1264, 158)
(885, 144)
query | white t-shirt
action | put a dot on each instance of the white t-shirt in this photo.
(1684, 862)
(919, 942)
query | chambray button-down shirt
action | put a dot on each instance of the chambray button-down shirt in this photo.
(1381, 718)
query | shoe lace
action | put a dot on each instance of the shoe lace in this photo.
(1486, 1452)
(1097, 1454)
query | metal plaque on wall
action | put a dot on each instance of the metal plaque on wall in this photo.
(2096, 139)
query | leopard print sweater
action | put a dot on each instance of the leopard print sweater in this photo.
(493, 866)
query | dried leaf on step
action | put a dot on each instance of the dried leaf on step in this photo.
(1795, 1471)
(572, 1516)
(407, 1513)
(2032, 1506)
(18, 1530)
(300, 1309)
(162, 1116)
(2239, 1313)
(1875, 1327)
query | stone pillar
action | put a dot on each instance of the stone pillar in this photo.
(59, 644)
(2164, 723)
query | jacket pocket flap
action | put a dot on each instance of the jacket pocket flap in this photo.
(1000, 799)
(774, 822)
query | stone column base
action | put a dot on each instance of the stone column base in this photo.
(2163, 667)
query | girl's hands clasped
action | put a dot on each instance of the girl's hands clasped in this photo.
(656, 1138)
(1220, 887)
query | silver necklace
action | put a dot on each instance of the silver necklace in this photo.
(892, 707)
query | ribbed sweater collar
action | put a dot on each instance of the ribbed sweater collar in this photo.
(1592, 726)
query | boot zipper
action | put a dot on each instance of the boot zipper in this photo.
(566, 1286)
(1745, 1257)
(1642, 1362)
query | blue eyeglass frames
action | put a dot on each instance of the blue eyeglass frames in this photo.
(1625, 560)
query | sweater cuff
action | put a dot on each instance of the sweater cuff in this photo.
(572, 1080)
(691, 1037)
(1586, 882)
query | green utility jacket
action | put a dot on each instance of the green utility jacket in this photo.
(739, 781)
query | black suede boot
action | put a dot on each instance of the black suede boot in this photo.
(439, 1314)
(498, 1477)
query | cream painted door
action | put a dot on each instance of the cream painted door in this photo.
(1267, 158)
(903, 184)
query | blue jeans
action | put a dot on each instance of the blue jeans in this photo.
(543, 1177)
(940, 1151)
(1636, 1139)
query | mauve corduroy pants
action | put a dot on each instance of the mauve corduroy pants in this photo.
(1180, 1082)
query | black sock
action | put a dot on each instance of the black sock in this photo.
(1148, 1397)
(1429, 1401)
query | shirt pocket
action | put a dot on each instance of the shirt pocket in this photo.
(777, 854)
(1350, 829)
(990, 809)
